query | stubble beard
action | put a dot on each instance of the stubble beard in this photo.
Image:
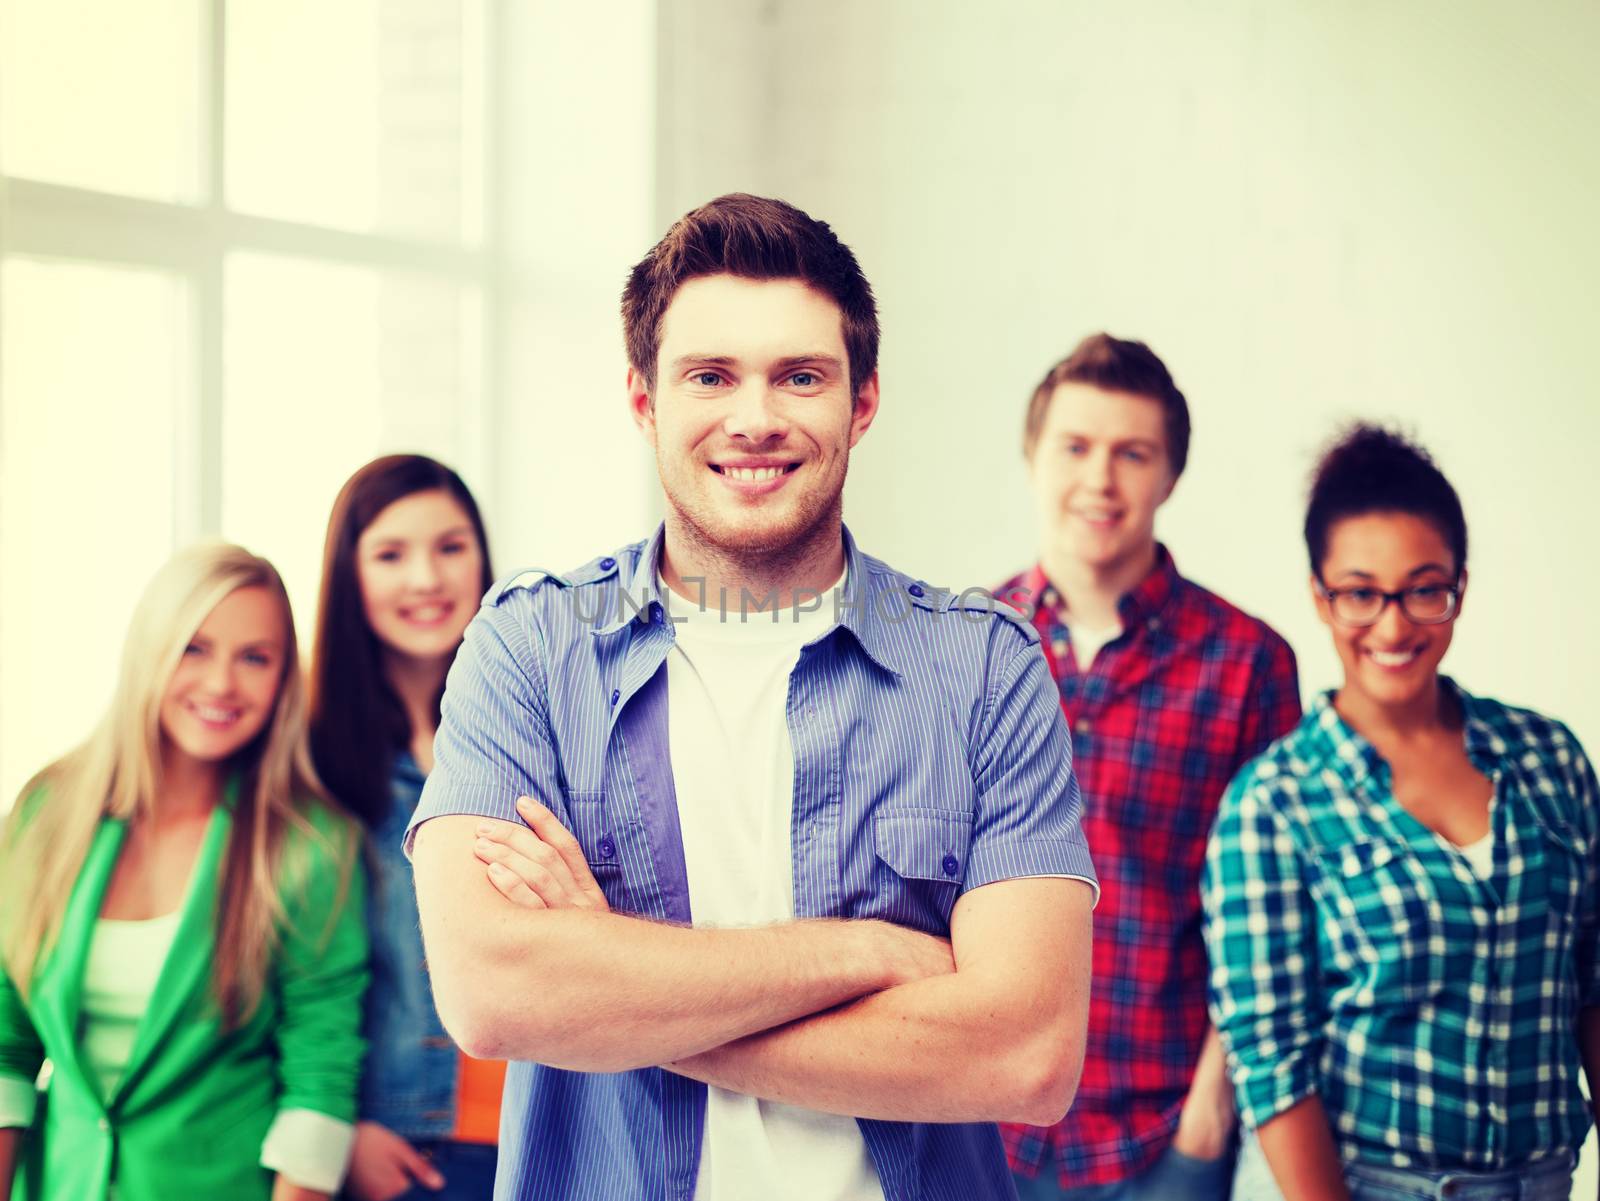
(769, 552)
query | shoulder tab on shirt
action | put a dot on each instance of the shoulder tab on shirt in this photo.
(524, 580)
(969, 604)
(981, 600)
(602, 567)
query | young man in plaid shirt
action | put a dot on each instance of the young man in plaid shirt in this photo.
(1169, 691)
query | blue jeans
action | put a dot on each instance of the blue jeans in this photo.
(467, 1168)
(1547, 1180)
(1173, 1177)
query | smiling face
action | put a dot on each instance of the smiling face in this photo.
(1394, 663)
(1099, 471)
(222, 693)
(420, 566)
(752, 418)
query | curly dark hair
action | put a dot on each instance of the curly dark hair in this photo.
(1369, 469)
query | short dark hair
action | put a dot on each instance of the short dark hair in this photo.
(357, 721)
(1115, 365)
(757, 238)
(1369, 469)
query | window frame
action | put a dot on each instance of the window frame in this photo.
(192, 240)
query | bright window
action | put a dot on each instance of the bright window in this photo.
(241, 253)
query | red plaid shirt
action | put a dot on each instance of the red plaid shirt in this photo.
(1190, 691)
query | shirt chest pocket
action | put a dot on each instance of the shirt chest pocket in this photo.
(612, 847)
(1383, 919)
(1564, 874)
(921, 863)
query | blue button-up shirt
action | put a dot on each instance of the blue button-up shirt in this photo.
(931, 758)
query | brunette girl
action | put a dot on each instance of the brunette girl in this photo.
(405, 563)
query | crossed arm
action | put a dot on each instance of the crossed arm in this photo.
(857, 1017)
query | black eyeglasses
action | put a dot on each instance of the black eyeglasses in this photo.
(1425, 604)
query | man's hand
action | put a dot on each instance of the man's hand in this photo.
(538, 867)
(1206, 1126)
(543, 867)
(384, 1165)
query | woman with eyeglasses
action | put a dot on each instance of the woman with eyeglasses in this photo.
(1401, 894)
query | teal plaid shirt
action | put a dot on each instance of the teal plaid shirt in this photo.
(1355, 955)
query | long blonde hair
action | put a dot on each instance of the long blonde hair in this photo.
(116, 774)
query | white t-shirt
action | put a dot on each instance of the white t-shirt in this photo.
(1088, 643)
(1480, 855)
(120, 971)
(733, 771)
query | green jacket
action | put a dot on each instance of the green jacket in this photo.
(188, 1116)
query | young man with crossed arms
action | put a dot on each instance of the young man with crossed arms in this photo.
(823, 915)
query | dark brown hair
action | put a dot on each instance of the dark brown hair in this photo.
(1115, 365)
(357, 721)
(1369, 469)
(756, 238)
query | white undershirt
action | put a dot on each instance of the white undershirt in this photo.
(1480, 855)
(119, 978)
(1087, 643)
(120, 975)
(733, 770)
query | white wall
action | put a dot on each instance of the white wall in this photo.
(1313, 212)
(576, 208)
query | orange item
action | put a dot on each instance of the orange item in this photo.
(478, 1088)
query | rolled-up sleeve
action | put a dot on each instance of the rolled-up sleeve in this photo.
(1029, 815)
(1260, 931)
(494, 743)
(321, 979)
(309, 1148)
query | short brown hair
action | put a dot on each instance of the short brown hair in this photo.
(757, 238)
(1115, 365)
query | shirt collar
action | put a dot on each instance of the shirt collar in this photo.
(640, 584)
(1355, 757)
(1486, 747)
(1145, 600)
(858, 614)
(1359, 758)
(1150, 595)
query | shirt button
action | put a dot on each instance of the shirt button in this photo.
(951, 865)
(608, 848)
(616, 695)
(915, 590)
(1082, 726)
(104, 1124)
(607, 563)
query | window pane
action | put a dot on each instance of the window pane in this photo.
(380, 129)
(103, 96)
(325, 367)
(94, 375)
